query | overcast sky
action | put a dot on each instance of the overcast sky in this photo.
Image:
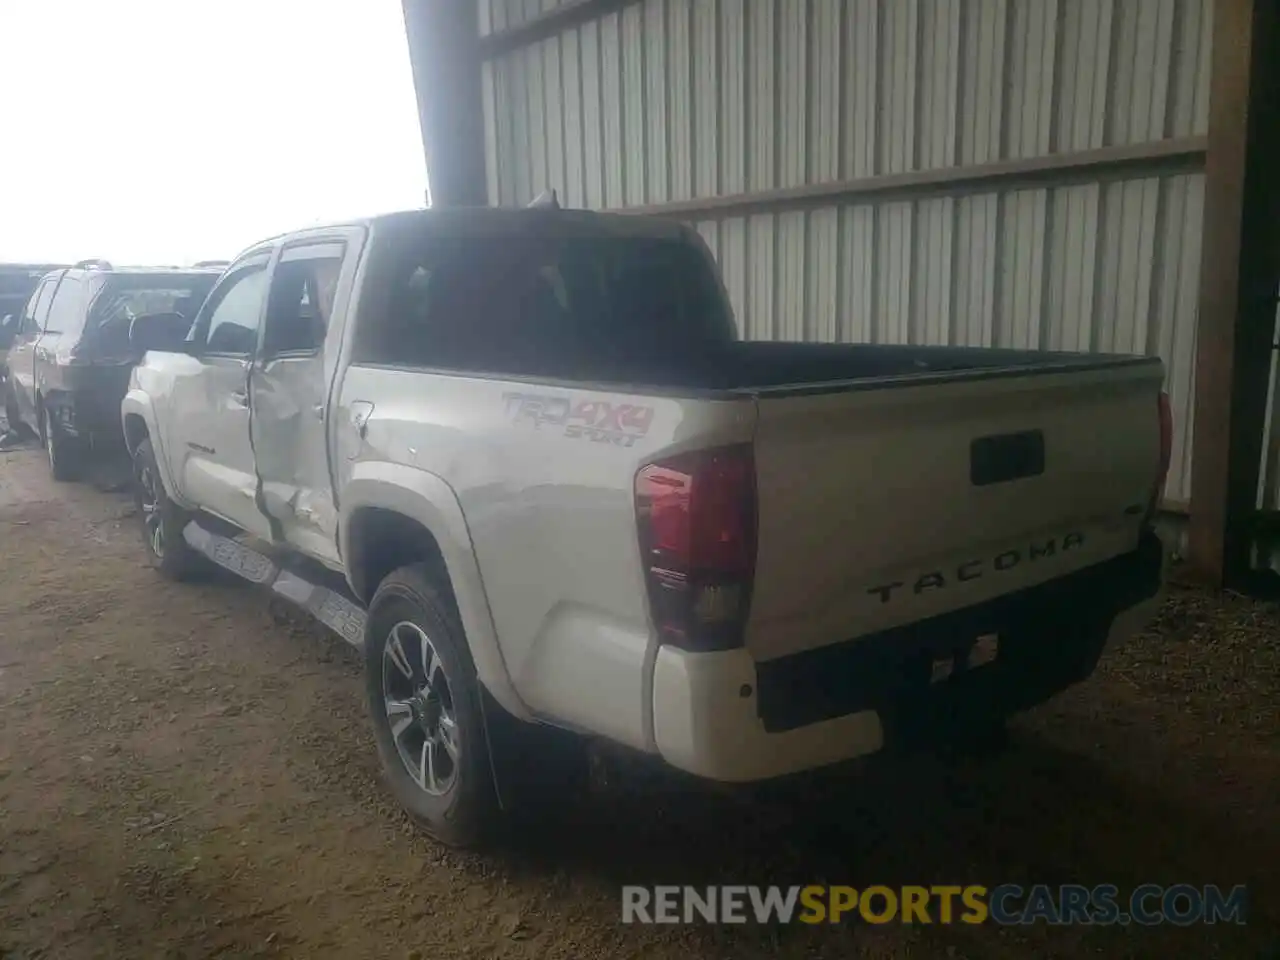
(168, 131)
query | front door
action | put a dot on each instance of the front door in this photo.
(208, 433)
(289, 390)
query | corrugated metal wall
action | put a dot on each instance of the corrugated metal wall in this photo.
(675, 100)
(1111, 268)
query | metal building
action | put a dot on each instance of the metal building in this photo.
(1025, 173)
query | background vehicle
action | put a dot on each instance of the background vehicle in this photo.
(70, 358)
(17, 282)
(530, 445)
(8, 331)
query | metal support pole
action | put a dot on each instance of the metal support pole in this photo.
(1237, 287)
(445, 56)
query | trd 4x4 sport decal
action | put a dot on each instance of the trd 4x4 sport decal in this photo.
(598, 420)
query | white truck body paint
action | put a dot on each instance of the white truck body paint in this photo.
(863, 486)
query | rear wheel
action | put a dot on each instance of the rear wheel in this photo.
(64, 451)
(162, 521)
(425, 703)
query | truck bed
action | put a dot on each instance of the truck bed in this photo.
(786, 368)
(902, 483)
(773, 366)
(898, 483)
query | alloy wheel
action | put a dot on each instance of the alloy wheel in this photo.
(48, 444)
(149, 505)
(420, 709)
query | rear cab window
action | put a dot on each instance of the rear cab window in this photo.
(571, 306)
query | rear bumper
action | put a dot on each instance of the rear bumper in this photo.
(91, 412)
(726, 717)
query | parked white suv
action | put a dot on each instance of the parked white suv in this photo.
(522, 458)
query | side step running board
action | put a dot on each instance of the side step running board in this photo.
(331, 608)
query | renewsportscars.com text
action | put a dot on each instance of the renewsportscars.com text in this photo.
(1067, 904)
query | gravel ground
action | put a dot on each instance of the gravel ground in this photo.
(187, 772)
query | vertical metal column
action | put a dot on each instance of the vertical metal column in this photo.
(444, 53)
(1237, 287)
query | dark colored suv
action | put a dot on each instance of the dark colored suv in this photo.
(69, 363)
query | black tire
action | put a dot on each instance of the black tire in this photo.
(65, 453)
(173, 556)
(466, 812)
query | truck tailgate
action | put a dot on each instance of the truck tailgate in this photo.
(884, 505)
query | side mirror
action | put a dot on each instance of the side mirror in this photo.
(166, 332)
(8, 330)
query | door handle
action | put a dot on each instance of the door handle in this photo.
(361, 410)
(240, 399)
(358, 414)
(318, 411)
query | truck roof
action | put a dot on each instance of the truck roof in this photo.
(29, 269)
(497, 221)
(159, 271)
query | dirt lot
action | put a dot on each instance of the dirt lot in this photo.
(185, 772)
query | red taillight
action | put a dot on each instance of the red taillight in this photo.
(697, 526)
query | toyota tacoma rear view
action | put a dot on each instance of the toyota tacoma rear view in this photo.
(522, 459)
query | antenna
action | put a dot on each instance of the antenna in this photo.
(546, 200)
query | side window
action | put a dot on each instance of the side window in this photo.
(232, 326)
(300, 305)
(37, 307)
(66, 311)
(480, 306)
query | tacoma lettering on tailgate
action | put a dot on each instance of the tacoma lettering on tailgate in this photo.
(600, 421)
(977, 568)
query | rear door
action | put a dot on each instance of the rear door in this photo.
(887, 505)
(61, 330)
(207, 434)
(22, 354)
(289, 390)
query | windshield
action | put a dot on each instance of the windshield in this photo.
(549, 305)
(126, 297)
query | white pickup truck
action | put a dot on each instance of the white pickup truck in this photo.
(522, 459)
